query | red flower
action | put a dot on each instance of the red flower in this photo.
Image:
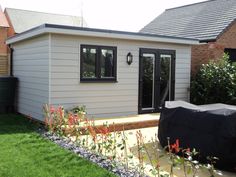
(175, 146)
(70, 120)
(60, 110)
(104, 130)
(92, 133)
(52, 109)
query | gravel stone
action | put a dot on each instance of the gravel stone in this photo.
(99, 160)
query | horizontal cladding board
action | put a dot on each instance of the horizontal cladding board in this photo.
(182, 65)
(91, 93)
(32, 68)
(33, 98)
(31, 62)
(95, 87)
(74, 81)
(65, 56)
(29, 56)
(182, 75)
(29, 79)
(182, 71)
(74, 75)
(25, 44)
(60, 41)
(62, 76)
(106, 98)
(39, 86)
(128, 70)
(109, 106)
(30, 91)
(182, 86)
(182, 97)
(65, 69)
(32, 50)
(34, 104)
(28, 111)
(71, 49)
(180, 80)
(38, 74)
(183, 61)
(64, 63)
(181, 90)
(121, 62)
(64, 40)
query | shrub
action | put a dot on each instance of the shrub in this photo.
(215, 82)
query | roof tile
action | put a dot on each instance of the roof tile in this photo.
(23, 20)
(204, 21)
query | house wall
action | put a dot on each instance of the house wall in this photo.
(31, 67)
(3, 52)
(5, 32)
(201, 54)
(10, 31)
(107, 99)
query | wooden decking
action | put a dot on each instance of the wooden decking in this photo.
(130, 125)
(122, 123)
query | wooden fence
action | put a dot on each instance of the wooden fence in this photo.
(3, 65)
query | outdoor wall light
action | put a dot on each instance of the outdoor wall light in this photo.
(129, 58)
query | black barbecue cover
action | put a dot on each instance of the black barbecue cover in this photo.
(210, 132)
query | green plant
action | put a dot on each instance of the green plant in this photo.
(54, 118)
(79, 109)
(215, 82)
(210, 165)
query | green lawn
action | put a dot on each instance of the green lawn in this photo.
(24, 153)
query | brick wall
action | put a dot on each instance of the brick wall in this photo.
(10, 31)
(3, 52)
(214, 50)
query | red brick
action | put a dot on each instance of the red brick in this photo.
(201, 54)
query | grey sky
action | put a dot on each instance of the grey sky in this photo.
(125, 15)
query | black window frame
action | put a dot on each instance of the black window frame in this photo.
(98, 77)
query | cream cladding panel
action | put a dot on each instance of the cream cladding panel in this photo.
(107, 99)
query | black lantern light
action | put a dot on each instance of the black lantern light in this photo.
(129, 58)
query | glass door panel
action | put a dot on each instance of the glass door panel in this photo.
(148, 63)
(165, 78)
(156, 79)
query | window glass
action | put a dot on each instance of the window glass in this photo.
(89, 62)
(98, 63)
(107, 63)
(232, 54)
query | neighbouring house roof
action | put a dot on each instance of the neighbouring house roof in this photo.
(3, 20)
(204, 21)
(91, 32)
(23, 20)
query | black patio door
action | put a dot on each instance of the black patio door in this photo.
(156, 79)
